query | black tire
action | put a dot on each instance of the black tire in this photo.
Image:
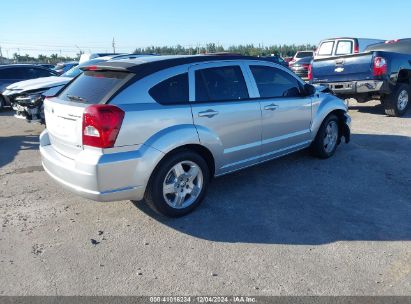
(154, 192)
(391, 102)
(2, 103)
(318, 147)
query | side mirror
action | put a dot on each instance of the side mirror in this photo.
(309, 89)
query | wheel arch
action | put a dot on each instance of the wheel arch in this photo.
(197, 148)
(331, 105)
(404, 76)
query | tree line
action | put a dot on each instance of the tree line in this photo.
(52, 59)
(284, 50)
(248, 49)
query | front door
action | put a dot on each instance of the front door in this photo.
(286, 111)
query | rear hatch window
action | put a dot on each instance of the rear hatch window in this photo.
(94, 87)
(326, 48)
(303, 54)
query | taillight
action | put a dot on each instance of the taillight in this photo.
(310, 72)
(380, 66)
(356, 49)
(101, 124)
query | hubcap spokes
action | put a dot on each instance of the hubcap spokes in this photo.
(402, 100)
(331, 136)
(183, 184)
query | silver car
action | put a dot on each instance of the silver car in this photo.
(159, 128)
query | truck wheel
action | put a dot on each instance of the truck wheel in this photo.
(2, 102)
(397, 103)
(179, 184)
(326, 141)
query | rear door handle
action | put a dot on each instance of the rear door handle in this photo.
(271, 107)
(209, 113)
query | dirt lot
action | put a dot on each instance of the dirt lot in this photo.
(293, 226)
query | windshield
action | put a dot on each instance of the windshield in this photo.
(73, 72)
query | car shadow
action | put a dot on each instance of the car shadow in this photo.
(377, 109)
(12, 145)
(363, 193)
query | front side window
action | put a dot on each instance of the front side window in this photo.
(220, 84)
(273, 82)
(173, 90)
(344, 47)
(326, 48)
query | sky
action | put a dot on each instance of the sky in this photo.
(67, 26)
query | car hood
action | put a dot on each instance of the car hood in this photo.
(38, 83)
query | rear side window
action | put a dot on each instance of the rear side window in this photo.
(272, 82)
(94, 86)
(173, 90)
(326, 48)
(220, 84)
(344, 47)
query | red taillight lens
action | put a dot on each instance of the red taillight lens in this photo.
(91, 68)
(356, 49)
(101, 124)
(310, 72)
(380, 66)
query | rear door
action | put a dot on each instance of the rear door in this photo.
(64, 113)
(286, 111)
(222, 107)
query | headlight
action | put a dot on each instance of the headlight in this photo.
(32, 99)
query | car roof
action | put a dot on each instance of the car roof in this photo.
(21, 65)
(144, 66)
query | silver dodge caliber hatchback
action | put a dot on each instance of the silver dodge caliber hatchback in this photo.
(159, 128)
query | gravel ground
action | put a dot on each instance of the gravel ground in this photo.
(293, 226)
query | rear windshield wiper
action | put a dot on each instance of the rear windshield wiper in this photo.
(76, 98)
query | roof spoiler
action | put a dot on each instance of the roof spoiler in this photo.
(104, 68)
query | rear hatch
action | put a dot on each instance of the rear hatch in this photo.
(343, 68)
(64, 113)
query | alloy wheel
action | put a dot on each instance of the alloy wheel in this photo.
(183, 184)
(331, 136)
(402, 100)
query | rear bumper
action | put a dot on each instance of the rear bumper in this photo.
(99, 177)
(354, 87)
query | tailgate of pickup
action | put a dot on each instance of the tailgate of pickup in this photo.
(343, 68)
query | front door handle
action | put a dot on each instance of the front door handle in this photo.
(271, 107)
(209, 113)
